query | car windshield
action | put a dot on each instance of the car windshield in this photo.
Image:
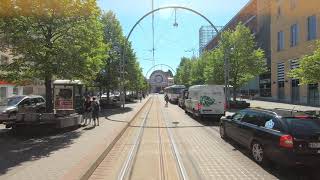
(11, 101)
(303, 127)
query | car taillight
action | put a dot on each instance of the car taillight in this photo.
(199, 106)
(286, 141)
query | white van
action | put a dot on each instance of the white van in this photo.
(206, 100)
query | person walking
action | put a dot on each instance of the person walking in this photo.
(140, 96)
(87, 105)
(166, 98)
(95, 111)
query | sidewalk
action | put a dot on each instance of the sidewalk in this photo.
(65, 155)
(273, 105)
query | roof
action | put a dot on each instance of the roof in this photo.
(282, 112)
(67, 82)
(206, 85)
(176, 86)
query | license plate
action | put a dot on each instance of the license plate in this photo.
(314, 145)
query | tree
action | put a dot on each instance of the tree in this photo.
(213, 71)
(309, 68)
(245, 60)
(197, 69)
(113, 36)
(183, 73)
(52, 39)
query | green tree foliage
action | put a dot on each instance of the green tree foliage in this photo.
(213, 71)
(113, 36)
(245, 61)
(52, 39)
(109, 76)
(183, 72)
(309, 68)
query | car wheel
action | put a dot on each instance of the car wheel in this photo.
(222, 132)
(257, 153)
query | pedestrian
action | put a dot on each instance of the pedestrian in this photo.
(140, 96)
(166, 98)
(87, 106)
(95, 111)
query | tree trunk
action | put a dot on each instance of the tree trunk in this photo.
(234, 94)
(49, 101)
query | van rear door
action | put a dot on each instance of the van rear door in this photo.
(212, 100)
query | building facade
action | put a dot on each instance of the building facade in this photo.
(206, 33)
(256, 16)
(8, 89)
(295, 27)
(160, 80)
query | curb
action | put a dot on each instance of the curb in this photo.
(92, 168)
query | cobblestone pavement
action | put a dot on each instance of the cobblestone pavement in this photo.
(207, 156)
(52, 155)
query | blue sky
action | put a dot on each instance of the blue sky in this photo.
(171, 43)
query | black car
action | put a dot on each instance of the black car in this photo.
(288, 138)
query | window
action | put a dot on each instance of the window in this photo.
(4, 60)
(238, 116)
(15, 91)
(3, 92)
(280, 69)
(279, 12)
(293, 4)
(312, 27)
(294, 35)
(25, 102)
(251, 118)
(280, 40)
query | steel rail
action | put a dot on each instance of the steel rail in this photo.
(127, 167)
(161, 159)
(182, 170)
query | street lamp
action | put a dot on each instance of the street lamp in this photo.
(227, 76)
(175, 24)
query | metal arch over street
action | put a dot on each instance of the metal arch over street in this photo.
(159, 65)
(172, 7)
(122, 64)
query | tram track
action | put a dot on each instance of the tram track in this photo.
(143, 152)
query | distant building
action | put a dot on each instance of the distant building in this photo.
(256, 16)
(159, 80)
(295, 27)
(206, 33)
(8, 89)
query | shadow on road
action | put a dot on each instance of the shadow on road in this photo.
(32, 144)
(282, 172)
(106, 113)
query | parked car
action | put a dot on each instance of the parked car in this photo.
(12, 105)
(182, 97)
(239, 104)
(206, 100)
(288, 138)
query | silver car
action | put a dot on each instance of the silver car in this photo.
(11, 106)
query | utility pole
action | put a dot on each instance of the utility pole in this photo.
(153, 60)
